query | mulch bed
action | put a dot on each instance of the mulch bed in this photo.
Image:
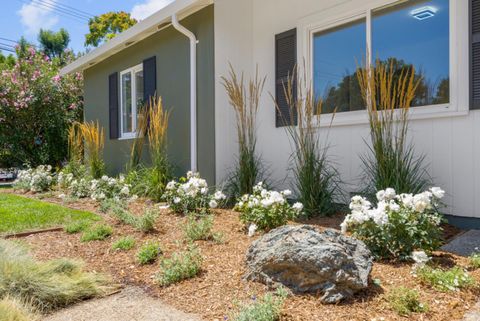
(214, 293)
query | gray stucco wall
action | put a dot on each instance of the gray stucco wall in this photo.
(173, 83)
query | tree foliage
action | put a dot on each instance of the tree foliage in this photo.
(54, 44)
(37, 106)
(6, 62)
(107, 26)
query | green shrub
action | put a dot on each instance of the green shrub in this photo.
(14, 310)
(97, 233)
(405, 301)
(475, 260)
(144, 223)
(399, 225)
(267, 209)
(77, 227)
(45, 285)
(180, 266)
(148, 253)
(200, 229)
(149, 181)
(125, 243)
(267, 308)
(452, 279)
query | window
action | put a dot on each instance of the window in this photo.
(131, 100)
(413, 33)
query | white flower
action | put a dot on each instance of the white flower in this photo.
(219, 196)
(212, 204)
(62, 196)
(287, 192)
(170, 185)
(298, 207)
(125, 190)
(380, 195)
(390, 194)
(177, 200)
(252, 229)
(437, 192)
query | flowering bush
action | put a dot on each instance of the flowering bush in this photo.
(35, 179)
(36, 108)
(79, 188)
(399, 224)
(109, 187)
(267, 209)
(191, 194)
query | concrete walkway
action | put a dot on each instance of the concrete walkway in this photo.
(132, 304)
(465, 244)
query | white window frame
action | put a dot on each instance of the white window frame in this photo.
(133, 70)
(351, 11)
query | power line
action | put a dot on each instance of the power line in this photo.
(58, 7)
(6, 45)
(9, 40)
(48, 7)
(7, 49)
(73, 9)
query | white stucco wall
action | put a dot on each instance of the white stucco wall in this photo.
(450, 138)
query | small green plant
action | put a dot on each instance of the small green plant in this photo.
(453, 279)
(125, 243)
(475, 260)
(144, 223)
(200, 229)
(77, 227)
(180, 266)
(267, 308)
(97, 233)
(148, 253)
(405, 301)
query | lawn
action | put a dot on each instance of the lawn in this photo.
(19, 213)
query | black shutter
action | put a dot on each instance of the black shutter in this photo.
(149, 79)
(285, 62)
(475, 53)
(113, 105)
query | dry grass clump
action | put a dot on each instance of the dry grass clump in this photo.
(245, 102)
(45, 285)
(14, 310)
(75, 143)
(93, 136)
(388, 91)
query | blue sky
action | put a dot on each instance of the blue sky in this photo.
(26, 17)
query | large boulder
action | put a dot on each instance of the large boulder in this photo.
(306, 260)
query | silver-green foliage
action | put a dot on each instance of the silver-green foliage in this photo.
(180, 266)
(148, 253)
(267, 308)
(200, 229)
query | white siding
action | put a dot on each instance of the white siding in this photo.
(244, 35)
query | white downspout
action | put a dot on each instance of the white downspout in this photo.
(193, 90)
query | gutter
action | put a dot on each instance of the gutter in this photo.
(193, 90)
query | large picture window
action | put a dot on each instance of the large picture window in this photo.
(131, 99)
(413, 33)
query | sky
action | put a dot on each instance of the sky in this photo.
(25, 17)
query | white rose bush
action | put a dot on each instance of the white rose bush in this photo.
(39, 179)
(266, 209)
(191, 194)
(399, 224)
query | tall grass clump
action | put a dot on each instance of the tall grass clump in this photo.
(245, 100)
(316, 182)
(45, 285)
(94, 139)
(75, 143)
(12, 309)
(388, 92)
(139, 141)
(151, 181)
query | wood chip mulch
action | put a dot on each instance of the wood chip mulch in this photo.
(216, 291)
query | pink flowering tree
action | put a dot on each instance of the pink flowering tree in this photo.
(37, 106)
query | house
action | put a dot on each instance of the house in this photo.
(182, 51)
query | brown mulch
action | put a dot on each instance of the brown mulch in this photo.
(215, 292)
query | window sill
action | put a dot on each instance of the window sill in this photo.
(127, 136)
(361, 117)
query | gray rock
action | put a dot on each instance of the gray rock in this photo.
(305, 260)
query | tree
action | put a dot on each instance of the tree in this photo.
(107, 26)
(6, 62)
(53, 44)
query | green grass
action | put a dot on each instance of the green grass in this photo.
(124, 244)
(19, 214)
(77, 227)
(97, 233)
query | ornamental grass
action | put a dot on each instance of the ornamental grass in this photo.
(388, 91)
(94, 139)
(244, 100)
(316, 182)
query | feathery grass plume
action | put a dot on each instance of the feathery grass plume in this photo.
(245, 102)
(94, 139)
(316, 181)
(151, 181)
(139, 141)
(388, 92)
(75, 143)
(45, 285)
